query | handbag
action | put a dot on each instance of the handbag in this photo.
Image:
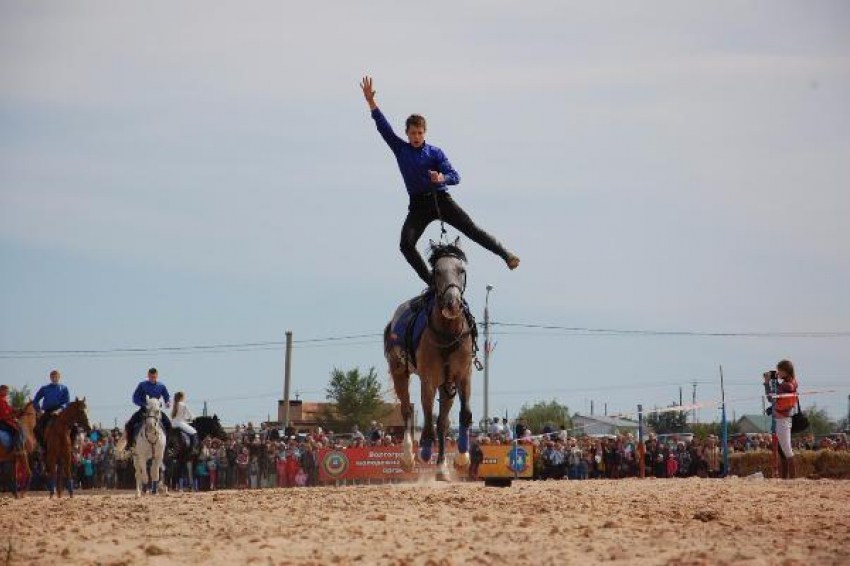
(799, 421)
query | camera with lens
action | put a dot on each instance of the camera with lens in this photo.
(772, 375)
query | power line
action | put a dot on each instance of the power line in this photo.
(695, 333)
(191, 349)
(331, 341)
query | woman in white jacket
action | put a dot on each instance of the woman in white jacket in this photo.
(180, 415)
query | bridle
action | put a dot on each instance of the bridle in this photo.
(156, 418)
(448, 342)
(442, 292)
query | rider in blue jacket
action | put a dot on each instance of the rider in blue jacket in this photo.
(149, 388)
(50, 400)
(427, 176)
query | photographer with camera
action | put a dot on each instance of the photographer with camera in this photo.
(780, 387)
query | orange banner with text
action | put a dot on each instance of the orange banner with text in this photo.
(507, 461)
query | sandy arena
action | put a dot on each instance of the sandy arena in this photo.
(689, 521)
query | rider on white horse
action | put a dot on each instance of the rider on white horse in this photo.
(150, 445)
(155, 390)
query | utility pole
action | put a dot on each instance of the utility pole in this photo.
(694, 409)
(287, 378)
(725, 430)
(641, 445)
(606, 408)
(205, 408)
(591, 407)
(487, 348)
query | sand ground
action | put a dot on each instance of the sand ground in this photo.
(691, 521)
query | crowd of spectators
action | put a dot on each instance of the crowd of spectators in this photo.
(254, 458)
(248, 458)
(562, 456)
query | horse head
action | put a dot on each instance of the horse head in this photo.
(448, 262)
(209, 427)
(80, 413)
(153, 407)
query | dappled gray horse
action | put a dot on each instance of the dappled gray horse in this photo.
(433, 336)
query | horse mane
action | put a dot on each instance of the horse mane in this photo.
(440, 251)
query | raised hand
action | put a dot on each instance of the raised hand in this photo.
(368, 91)
(437, 177)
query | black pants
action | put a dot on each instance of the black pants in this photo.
(41, 425)
(422, 211)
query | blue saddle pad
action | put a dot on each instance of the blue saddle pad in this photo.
(408, 324)
(5, 440)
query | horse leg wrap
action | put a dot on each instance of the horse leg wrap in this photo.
(463, 440)
(427, 448)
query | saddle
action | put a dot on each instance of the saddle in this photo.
(411, 319)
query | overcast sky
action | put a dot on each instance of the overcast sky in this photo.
(203, 173)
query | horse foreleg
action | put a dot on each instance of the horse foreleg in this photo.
(15, 476)
(141, 472)
(401, 382)
(60, 476)
(426, 442)
(156, 466)
(462, 458)
(446, 403)
(50, 473)
(69, 477)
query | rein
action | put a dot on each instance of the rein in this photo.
(443, 234)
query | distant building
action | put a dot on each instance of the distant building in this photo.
(307, 415)
(754, 423)
(598, 424)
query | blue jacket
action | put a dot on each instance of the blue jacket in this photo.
(51, 397)
(148, 389)
(415, 162)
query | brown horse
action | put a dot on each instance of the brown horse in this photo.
(57, 438)
(443, 360)
(26, 418)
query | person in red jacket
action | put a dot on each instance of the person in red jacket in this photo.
(8, 419)
(292, 464)
(780, 386)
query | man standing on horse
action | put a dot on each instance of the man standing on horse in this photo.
(427, 175)
(155, 390)
(49, 400)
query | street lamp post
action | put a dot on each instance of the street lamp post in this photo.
(487, 355)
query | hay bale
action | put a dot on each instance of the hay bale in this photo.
(820, 464)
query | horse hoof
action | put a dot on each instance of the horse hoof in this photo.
(407, 462)
(462, 461)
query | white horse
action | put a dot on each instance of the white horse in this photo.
(150, 445)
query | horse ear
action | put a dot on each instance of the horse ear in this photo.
(432, 243)
(76, 399)
(457, 242)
